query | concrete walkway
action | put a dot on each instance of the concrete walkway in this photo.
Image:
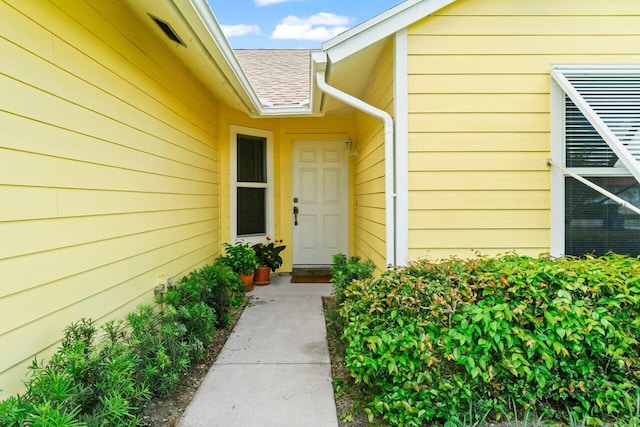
(274, 369)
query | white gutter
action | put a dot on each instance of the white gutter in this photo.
(320, 61)
(595, 187)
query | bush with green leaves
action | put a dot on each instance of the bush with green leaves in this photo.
(159, 341)
(555, 336)
(229, 283)
(88, 381)
(224, 290)
(187, 301)
(345, 269)
(96, 381)
(202, 300)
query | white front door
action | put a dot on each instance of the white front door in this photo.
(319, 201)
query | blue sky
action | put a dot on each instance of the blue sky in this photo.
(291, 24)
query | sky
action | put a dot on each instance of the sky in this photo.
(291, 24)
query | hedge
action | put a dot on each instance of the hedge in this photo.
(104, 376)
(445, 341)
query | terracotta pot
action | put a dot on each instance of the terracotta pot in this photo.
(262, 276)
(247, 280)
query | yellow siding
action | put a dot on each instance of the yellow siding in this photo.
(110, 174)
(369, 165)
(479, 116)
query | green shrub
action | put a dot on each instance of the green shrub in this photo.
(49, 414)
(96, 381)
(346, 269)
(224, 290)
(88, 381)
(555, 336)
(215, 285)
(13, 411)
(240, 257)
(230, 284)
(198, 318)
(159, 342)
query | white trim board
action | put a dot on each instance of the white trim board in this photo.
(233, 171)
(401, 147)
(380, 27)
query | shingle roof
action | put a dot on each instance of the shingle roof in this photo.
(280, 77)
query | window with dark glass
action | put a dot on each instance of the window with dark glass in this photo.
(595, 224)
(252, 159)
(251, 208)
(251, 186)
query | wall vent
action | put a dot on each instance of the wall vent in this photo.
(167, 30)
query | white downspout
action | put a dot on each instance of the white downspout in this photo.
(320, 60)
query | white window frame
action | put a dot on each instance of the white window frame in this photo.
(558, 136)
(269, 185)
(557, 176)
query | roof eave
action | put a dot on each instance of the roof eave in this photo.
(217, 51)
(380, 27)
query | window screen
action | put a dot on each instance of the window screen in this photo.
(251, 209)
(251, 185)
(252, 159)
(594, 224)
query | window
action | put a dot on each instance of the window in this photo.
(595, 135)
(251, 184)
(595, 224)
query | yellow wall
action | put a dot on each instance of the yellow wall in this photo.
(115, 163)
(109, 172)
(285, 131)
(369, 165)
(479, 116)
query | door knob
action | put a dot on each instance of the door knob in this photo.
(295, 215)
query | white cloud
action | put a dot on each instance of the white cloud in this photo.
(322, 18)
(305, 32)
(239, 30)
(321, 26)
(268, 2)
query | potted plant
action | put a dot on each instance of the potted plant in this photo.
(242, 259)
(269, 259)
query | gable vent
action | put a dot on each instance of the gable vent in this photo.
(167, 30)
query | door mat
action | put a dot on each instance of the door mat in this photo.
(311, 275)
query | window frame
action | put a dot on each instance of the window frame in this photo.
(234, 184)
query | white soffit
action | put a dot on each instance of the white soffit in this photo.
(609, 97)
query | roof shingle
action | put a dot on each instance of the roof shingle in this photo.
(280, 77)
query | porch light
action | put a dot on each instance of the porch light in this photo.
(349, 143)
